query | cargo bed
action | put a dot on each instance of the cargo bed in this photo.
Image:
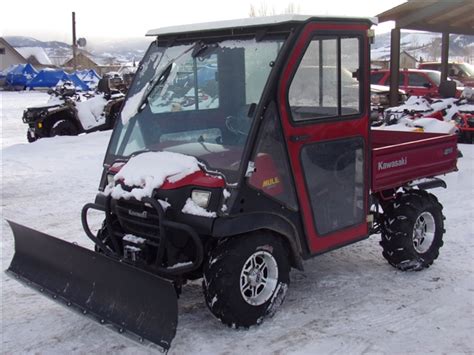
(401, 157)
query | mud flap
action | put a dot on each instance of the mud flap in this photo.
(142, 305)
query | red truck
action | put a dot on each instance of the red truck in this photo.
(413, 81)
(239, 176)
(463, 72)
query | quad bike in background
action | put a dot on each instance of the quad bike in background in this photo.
(240, 177)
(458, 112)
(465, 117)
(69, 113)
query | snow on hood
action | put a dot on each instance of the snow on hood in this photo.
(148, 171)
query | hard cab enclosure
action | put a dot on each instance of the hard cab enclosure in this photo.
(240, 152)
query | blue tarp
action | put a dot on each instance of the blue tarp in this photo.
(46, 79)
(20, 75)
(88, 76)
(51, 78)
(78, 83)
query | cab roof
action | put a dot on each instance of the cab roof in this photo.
(253, 22)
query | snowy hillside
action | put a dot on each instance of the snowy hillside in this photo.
(103, 52)
(349, 301)
(426, 45)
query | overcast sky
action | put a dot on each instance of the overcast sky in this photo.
(96, 19)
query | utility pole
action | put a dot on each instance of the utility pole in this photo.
(74, 42)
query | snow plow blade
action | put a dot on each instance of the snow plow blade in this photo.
(139, 304)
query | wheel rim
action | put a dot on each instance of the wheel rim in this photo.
(424, 232)
(258, 278)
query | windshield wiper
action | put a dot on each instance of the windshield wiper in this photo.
(198, 48)
(160, 79)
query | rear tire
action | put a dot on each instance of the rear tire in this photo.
(63, 128)
(412, 231)
(246, 278)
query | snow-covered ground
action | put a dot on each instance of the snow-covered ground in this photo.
(347, 301)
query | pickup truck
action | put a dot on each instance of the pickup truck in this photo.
(238, 178)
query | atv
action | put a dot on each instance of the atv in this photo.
(237, 176)
(70, 113)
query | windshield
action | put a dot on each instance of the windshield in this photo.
(468, 69)
(435, 76)
(194, 99)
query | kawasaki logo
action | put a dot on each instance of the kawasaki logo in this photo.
(138, 214)
(392, 164)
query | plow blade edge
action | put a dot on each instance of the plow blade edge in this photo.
(136, 302)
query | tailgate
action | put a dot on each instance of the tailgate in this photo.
(397, 164)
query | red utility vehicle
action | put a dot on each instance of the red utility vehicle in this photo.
(463, 72)
(412, 81)
(239, 176)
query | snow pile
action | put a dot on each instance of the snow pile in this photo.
(148, 171)
(133, 239)
(132, 104)
(424, 124)
(433, 125)
(421, 114)
(190, 207)
(90, 112)
(412, 104)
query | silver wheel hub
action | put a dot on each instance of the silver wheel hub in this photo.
(424, 232)
(259, 278)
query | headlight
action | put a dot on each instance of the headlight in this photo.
(201, 198)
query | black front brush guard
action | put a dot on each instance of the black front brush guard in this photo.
(117, 253)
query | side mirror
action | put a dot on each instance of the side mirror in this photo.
(428, 85)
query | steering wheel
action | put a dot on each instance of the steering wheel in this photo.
(237, 125)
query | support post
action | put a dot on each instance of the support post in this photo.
(394, 65)
(444, 56)
(74, 42)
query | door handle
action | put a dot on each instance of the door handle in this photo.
(301, 138)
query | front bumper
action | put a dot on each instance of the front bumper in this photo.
(146, 219)
(36, 126)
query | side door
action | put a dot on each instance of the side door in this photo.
(323, 101)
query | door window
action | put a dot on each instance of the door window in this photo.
(334, 176)
(400, 80)
(376, 77)
(415, 79)
(326, 83)
(272, 170)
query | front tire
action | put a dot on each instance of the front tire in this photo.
(246, 278)
(63, 128)
(412, 231)
(30, 137)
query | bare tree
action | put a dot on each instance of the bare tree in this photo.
(262, 9)
(434, 49)
(292, 8)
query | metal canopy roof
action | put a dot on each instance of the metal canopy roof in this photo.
(249, 22)
(448, 16)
